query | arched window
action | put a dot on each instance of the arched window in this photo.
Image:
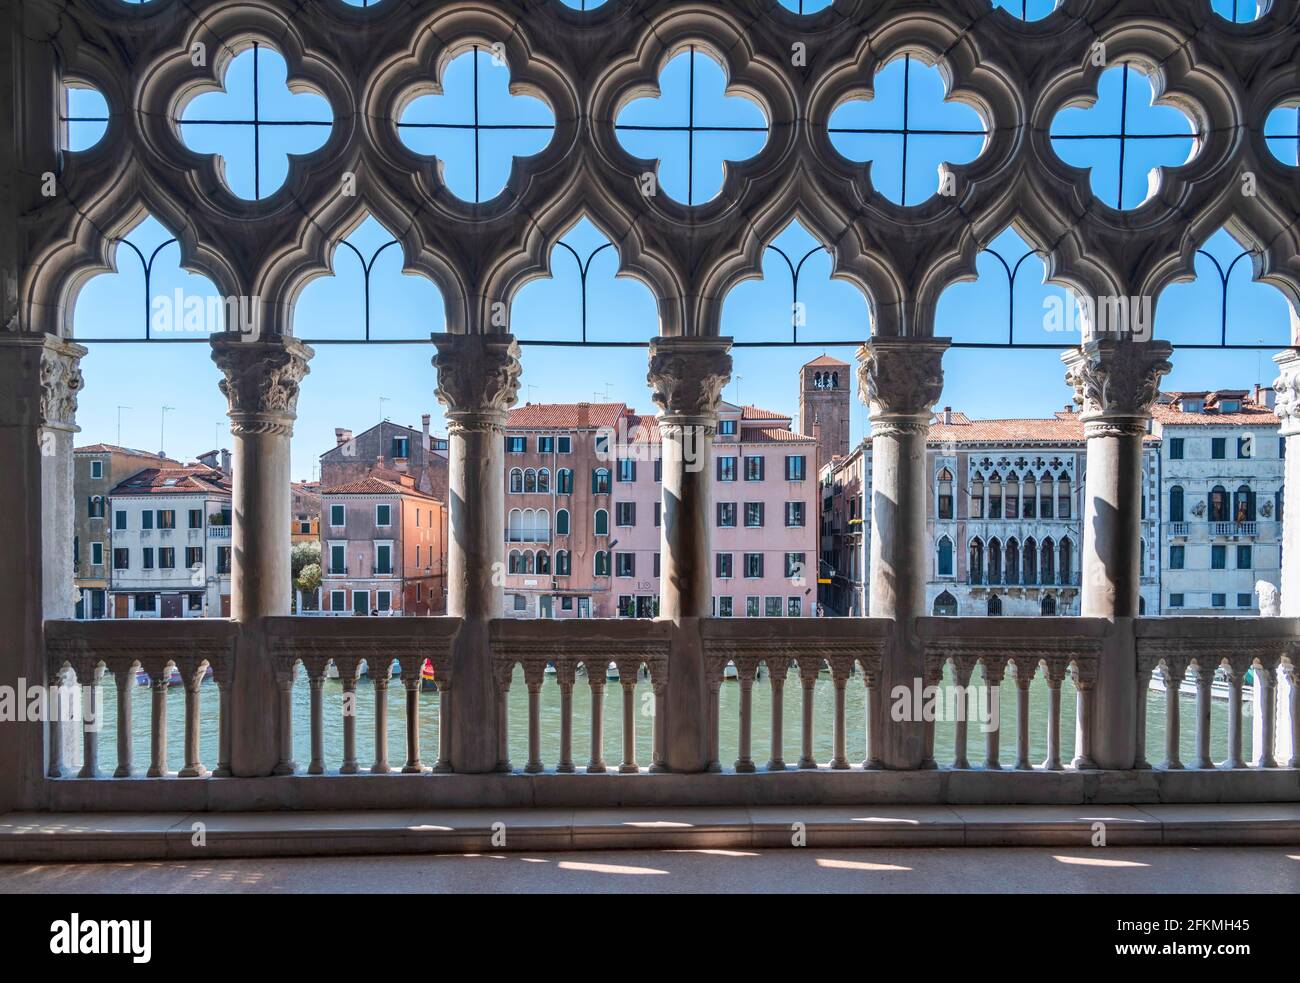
(1012, 554)
(1243, 508)
(1045, 496)
(543, 561)
(1011, 499)
(562, 568)
(1142, 557)
(977, 497)
(529, 561)
(530, 481)
(1048, 606)
(1063, 507)
(527, 534)
(1218, 502)
(516, 562)
(835, 380)
(602, 563)
(564, 482)
(945, 606)
(995, 606)
(1047, 564)
(944, 502)
(1176, 504)
(1029, 498)
(515, 526)
(1142, 605)
(602, 522)
(976, 561)
(995, 496)
(544, 481)
(1067, 560)
(600, 481)
(1030, 555)
(995, 561)
(516, 481)
(945, 557)
(562, 522)
(542, 527)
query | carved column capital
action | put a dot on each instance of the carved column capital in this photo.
(686, 378)
(1116, 382)
(900, 380)
(61, 381)
(1287, 388)
(478, 380)
(261, 381)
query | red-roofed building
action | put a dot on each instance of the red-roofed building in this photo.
(383, 547)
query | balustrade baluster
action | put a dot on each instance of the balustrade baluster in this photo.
(284, 678)
(124, 680)
(596, 683)
(411, 683)
(808, 670)
(962, 669)
(158, 720)
(504, 676)
(714, 722)
(745, 672)
(1140, 716)
(1293, 677)
(1266, 697)
(1234, 759)
(840, 670)
(1204, 683)
(1087, 713)
(776, 671)
(565, 674)
(992, 722)
(316, 671)
(534, 674)
(627, 679)
(1024, 679)
(1054, 674)
(55, 738)
(225, 734)
(192, 678)
(658, 732)
(446, 707)
(348, 672)
(1173, 676)
(381, 673)
(91, 704)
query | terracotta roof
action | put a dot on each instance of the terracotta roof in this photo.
(1061, 430)
(380, 481)
(758, 413)
(173, 481)
(824, 360)
(565, 416)
(1250, 414)
(773, 435)
(115, 449)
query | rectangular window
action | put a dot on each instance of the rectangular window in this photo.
(599, 481)
(196, 519)
(659, 469)
(659, 508)
(383, 600)
(545, 445)
(753, 565)
(167, 558)
(520, 602)
(794, 607)
(121, 559)
(794, 515)
(304, 528)
(1218, 557)
(223, 559)
(119, 519)
(625, 513)
(1244, 558)
(751, 607)
(727, 515)
(97, 469)
(1245, 600)
(726, 469)
(772, 607)
(1244, 445)
(626, 469)
(146, 519)
(564, 445)
(196, 602)
(338, 558)
(146, 602)
(727, 428)
(626, 606)
(753, 515)
(1177, 555)
(795, 467)
(383, 558)
(754, 468)
(1175, 600)
(401, 447)
(625, 564)
(338, 600)
(516, 445)
(96, 554)
(722, 566)
(1218, 448)
(1218, 600)
(336, 516)
(656, 568)
(383, 515)
(1175, 448)
(794, 565)
(193, 557)
(724, 607)
(166, 518)
(146, 560)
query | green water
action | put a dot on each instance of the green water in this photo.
(613, 712)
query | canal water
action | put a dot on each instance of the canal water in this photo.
(550, 708)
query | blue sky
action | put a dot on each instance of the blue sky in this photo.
(349, 384)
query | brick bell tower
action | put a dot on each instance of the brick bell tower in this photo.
(824, 406)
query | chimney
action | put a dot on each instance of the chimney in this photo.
(947, 415)
(210, 459)
(341, 436)
(424, 420)
(225, 461)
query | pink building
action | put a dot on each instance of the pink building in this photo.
(583, 510)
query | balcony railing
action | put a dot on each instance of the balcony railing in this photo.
(1179, 528)
(1023, 580)
(1234, 529)
(535, 534)
(1050, 666)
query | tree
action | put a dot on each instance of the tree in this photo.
(304, 555)
(309, 578)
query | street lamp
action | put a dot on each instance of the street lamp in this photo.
(162, 430)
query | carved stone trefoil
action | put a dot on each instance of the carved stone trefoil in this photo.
(1116, 382)
(261, 381)
(478, 379)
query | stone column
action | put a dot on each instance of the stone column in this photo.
(261, 379)
(1287, 408)
(686, 379)
(478, 380)
(1116, 381)
(900, 379)
(40, 377)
